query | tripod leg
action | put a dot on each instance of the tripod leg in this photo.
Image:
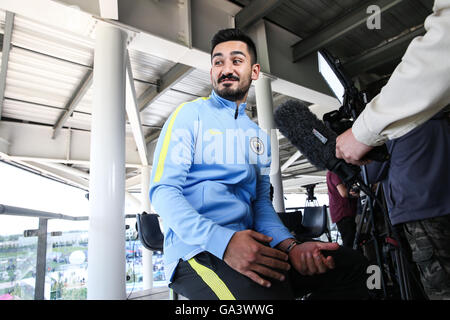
(400, 274)
(406, 280)
(359, 226)
(404, 269)
(375, 235)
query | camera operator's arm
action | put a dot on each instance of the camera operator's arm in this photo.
(342, 189)
(345, 192)
(418, 88)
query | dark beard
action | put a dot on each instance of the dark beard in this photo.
(233, 95)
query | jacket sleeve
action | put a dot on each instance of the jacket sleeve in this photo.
(266, 220)
(418, 88)
(173, 157)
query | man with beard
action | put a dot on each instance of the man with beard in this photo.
(210, 185)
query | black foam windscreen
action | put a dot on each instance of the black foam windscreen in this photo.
(306, 132)
(315, 141)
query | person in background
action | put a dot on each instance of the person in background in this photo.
(343, 208)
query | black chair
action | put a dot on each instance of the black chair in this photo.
(315, 222)
(292, 221)
(151, 236)
(149, 231)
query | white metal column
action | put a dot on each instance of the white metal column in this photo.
(147, 255)
(106, 251)
(264, 105)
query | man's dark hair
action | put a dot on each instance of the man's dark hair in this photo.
(234, 35)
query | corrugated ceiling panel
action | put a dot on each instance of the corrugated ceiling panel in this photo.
(52, 41)
(79, 120)
(290, 16)
(40, 79)
(197, 82)
(303, 17)
(161, 108)
(46, 65)
(85, 104)
(30, 112)
(324, 10)
(148, 67)
(399, 19)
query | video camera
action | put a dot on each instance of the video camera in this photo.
(352, 101)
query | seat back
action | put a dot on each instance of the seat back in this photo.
(149, 231)
(292, 221)
(151, 236)
(315, 221)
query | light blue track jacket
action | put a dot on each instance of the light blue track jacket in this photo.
(210, 178)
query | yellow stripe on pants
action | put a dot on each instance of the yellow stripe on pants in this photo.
(212, 280)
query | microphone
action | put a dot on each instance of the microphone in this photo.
(315, 141)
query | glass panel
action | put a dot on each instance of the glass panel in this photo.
(23, 189)
(67, 256)
(17, 258)
(159, 278)
(135, 272)
(133, 256)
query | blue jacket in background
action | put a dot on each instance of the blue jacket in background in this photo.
(210, 178)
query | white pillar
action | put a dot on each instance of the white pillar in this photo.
(264, 105)
(106, 251)
(147, 255)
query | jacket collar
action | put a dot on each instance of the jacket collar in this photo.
(224, 103)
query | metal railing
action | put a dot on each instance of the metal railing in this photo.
(41, 233)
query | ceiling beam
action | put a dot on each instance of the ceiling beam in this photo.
(380, 55)
(30, 142)
(169, 79)
(76, 97)
(133, 181)
(185, 20)
(131, 107)
(68, 169)
(109, 9)
(8, 28)
(296, 169)
(70, 175)
(291, 160)
(302, 181)
(299, 170)
(58, 173)
(152, 136)
(338, 29)
(256, 10)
